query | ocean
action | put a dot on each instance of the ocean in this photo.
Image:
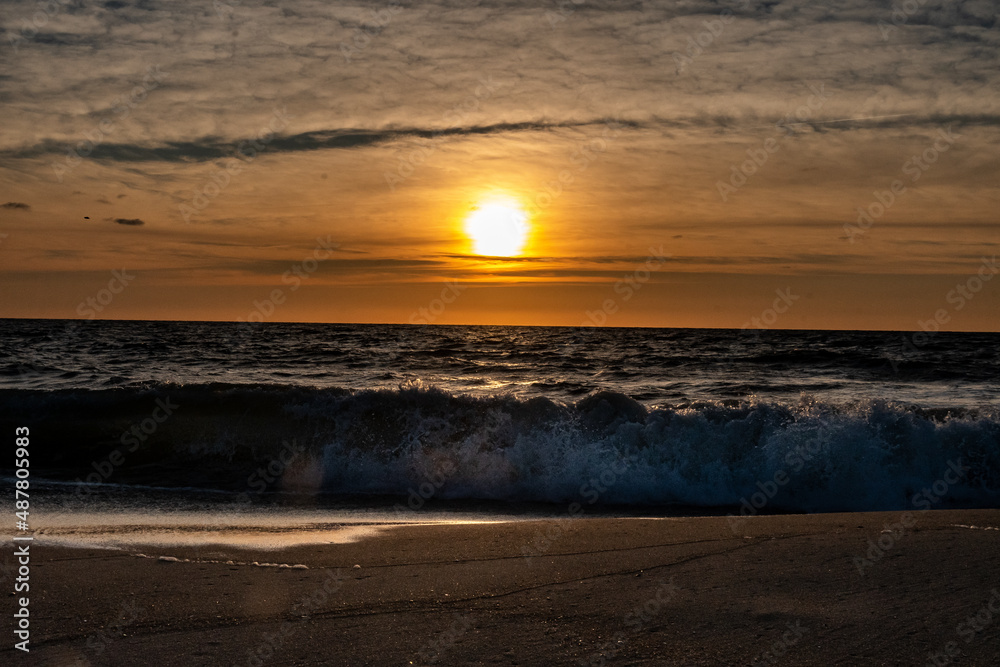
(343, 423)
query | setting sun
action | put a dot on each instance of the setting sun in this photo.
(497, 228)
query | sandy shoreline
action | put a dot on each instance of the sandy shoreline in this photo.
(633, 591)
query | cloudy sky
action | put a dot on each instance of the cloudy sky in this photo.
(842, 152)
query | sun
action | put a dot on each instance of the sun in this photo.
(497, 228)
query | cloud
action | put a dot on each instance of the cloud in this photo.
(212, 148)
(16, 205)
(131, 222)
(353, 77)
(506, 92)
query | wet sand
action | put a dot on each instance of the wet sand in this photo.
(766, 590)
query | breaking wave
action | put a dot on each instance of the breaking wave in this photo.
(605, 448)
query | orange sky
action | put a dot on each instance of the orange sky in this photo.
(225, 147)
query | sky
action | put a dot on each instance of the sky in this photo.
(779, 164)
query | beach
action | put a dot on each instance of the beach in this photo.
(879, 588)
(393, 495)
(500, 333)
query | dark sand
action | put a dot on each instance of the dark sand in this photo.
(464, 594)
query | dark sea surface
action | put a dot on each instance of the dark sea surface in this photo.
(643, 420)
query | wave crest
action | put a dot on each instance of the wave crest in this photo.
(605, 448)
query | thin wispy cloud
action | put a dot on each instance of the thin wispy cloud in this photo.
(236, 130)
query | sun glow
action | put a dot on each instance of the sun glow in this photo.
(497, 228)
